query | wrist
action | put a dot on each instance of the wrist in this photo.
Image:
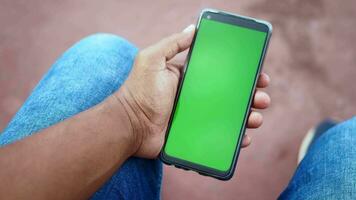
(129, 113)
(123, 131)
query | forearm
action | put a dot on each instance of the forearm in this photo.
(69, 160)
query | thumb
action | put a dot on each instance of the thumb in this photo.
(176, 43)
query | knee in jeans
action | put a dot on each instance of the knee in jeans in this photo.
(101, 56)
(345, 129)
(110, 44)
(103, 47)
(105, 40)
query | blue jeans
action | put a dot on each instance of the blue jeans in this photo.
(328, 171)
(96, 66)
(82, 77)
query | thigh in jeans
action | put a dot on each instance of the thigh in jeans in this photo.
(82, 77)
(328, 171)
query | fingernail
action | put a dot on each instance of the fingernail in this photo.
(189, 28)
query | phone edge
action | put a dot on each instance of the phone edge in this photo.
(231, 170)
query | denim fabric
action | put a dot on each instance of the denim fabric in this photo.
(82, 77)
(328, 171)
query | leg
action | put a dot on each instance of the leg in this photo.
(328, 170)
(82, 77)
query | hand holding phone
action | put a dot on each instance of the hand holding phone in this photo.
(149, 92)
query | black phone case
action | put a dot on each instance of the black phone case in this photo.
(186, 165)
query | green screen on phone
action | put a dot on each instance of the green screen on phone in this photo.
(209, 116)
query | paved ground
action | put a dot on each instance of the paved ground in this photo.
(312, 61)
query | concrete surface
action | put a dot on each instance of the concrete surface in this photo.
(311, 59)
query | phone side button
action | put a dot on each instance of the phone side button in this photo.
(179, 167)
(202, 174)
(185, 169)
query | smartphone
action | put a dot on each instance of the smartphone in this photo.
(214, 96)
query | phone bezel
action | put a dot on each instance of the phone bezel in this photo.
(233, 19)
